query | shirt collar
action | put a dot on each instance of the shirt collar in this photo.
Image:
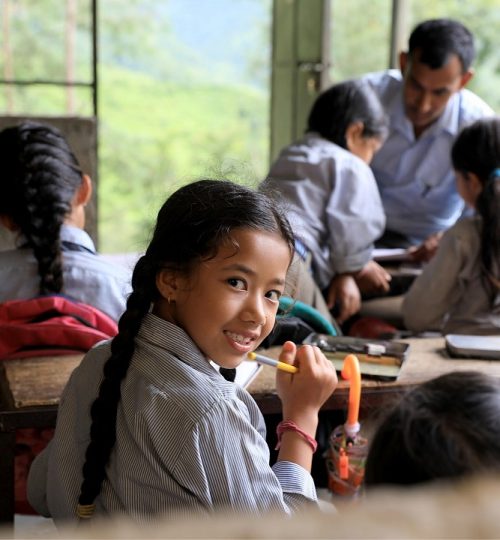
(161, 333)
(75, 235)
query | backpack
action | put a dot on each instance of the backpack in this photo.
(51, 325)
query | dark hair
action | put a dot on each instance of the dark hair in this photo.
(444, 428)
(343, 104)
(438, 39)
(477, 150)
(191, 226)
(40, 176)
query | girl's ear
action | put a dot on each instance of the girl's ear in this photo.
(168, 283)
(475, 185)
(8, 223)
(353, 134)
(84, 192)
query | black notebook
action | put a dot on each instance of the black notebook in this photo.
(378, 359)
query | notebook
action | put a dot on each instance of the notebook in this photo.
(473, 346)
(378, 359)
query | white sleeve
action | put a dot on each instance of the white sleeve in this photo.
(355, 217)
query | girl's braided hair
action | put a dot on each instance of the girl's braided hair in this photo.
(40, 178)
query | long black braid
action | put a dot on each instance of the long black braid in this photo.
(191, 225)
(477, 150)
(40, 176)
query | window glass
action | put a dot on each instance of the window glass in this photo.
(184, 93)
(360, 37)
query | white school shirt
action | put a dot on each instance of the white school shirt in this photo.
(87, 276)
(415, 176)
(450, 295)
(335, 207)
(187, 440)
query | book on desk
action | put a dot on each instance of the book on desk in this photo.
(467, 346)
(378, 359)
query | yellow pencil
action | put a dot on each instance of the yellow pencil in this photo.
(272, 362)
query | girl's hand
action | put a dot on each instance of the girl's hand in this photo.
(344, 293)
(373, 279)
(303, 393)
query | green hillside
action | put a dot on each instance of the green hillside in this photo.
(170, 135)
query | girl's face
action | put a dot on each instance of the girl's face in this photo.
(228, 304)
(359, 145)
(469, 187)
(366, 147)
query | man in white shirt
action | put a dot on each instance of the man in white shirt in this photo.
(427, 106)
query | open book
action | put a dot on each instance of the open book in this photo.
(391, 255)
(245, 372)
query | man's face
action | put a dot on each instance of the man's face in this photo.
(427, 91)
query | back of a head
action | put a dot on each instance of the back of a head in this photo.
(191, 226)
(343, 104)
(40, 178)
(477, 150)
(445, 428)
(437, 39)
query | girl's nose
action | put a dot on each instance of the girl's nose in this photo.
(254, 311)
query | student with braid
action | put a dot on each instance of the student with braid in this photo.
(147, 426)
(43, 193)
(459, 289)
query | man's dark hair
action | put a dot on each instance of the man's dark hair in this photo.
(438, 39)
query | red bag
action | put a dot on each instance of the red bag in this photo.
(42, 326)
(51, 325)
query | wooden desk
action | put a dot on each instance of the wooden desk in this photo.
(427, 358)
(30, 390)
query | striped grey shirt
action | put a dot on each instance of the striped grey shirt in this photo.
(187, 439)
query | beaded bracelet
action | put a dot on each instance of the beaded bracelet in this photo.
(287, 425)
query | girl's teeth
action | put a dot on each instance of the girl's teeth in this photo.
(238, 338)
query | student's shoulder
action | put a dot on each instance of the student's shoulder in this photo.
(387, 81)
(464, 234)
(472, 107)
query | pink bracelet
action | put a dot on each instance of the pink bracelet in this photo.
(286, 425)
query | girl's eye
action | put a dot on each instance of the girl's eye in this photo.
(237, 283)
(274, 295)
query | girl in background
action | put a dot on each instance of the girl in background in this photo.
(43, 194)
(459, 290)
(445, 428)
(146, 425)
(336, 208)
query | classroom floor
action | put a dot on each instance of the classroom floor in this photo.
(27, 526)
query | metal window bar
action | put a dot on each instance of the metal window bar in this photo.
(92, 84)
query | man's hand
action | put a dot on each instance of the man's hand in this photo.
(373, 278)
(425, 251)
(344, 292)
